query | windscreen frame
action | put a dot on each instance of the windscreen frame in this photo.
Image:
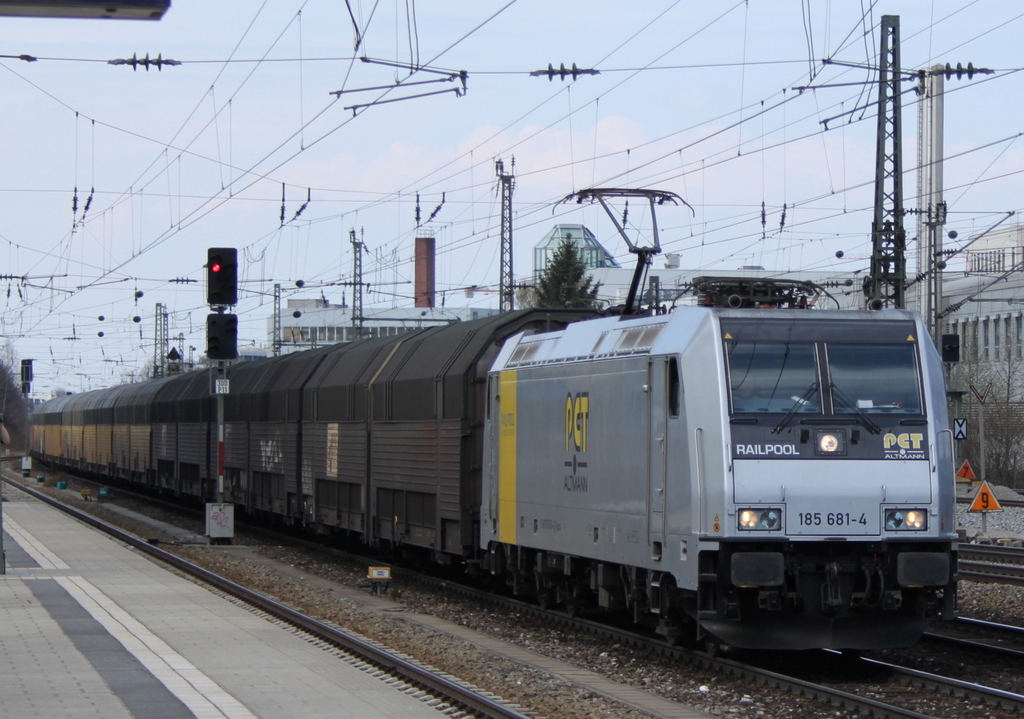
(821, 334)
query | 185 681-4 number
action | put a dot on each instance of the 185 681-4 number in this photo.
(830, 519)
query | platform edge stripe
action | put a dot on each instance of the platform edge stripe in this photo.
(203, 696)
(36, 549)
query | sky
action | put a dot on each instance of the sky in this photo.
(114, 181)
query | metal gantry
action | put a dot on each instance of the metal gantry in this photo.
(277, 320)
(506, 288)
(885, 284)
(162, 341)
(357, 283)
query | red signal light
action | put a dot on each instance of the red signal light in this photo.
(221, 274)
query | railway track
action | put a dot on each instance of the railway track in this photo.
(894, 702)
(949, 686)
(991, 563)
(440, 685)
(980, 635)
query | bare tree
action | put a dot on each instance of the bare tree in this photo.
(13, 407)
(1000, 378)
(526, 296)
(140, 374)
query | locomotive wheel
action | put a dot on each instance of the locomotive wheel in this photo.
(715, 647)
(546, 597)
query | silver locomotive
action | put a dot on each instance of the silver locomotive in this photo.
(761, 478)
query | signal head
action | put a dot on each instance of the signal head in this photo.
(222, 276)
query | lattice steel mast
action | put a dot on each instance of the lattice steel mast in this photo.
(506, 287)
(277, 320)
(357, 283)
(886, 283)
(162, 341)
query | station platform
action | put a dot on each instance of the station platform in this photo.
(91, 628)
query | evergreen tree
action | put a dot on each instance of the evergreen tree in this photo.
(565, 283)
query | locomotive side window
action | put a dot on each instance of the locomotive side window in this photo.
(874, 379)
(673, 387)
(773, 377)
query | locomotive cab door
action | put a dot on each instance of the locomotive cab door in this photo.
(657, 437)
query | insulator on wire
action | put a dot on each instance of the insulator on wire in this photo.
(970, 71)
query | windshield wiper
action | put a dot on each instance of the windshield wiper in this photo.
(855, 410)
(800, 402)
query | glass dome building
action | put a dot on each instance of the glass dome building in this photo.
(593, 253)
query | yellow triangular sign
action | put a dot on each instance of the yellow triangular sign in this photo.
(910, 338)
(985, 500)
(965, 471)
(727, 336)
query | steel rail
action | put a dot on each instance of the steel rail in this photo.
(982, 644)
(991, 563)
(993, 553)
(414, 673)
(985, 624)
(955, 687)
(974, 644)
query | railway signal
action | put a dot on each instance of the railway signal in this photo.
(950, 348)
(222, 276)
(960, 429)
(26, 376)
(221, 336)
(221, 344)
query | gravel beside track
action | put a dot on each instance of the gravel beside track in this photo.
(536, 690)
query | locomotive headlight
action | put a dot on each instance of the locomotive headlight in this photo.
(906, 519)
(829, 443)
(760, 518)
(916, 519)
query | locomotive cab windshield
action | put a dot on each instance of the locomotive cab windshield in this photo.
(773, 377)
(858, 375)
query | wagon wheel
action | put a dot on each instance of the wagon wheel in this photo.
(546, 594)
(715, 647)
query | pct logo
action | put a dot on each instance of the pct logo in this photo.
(903, 446)
(577, 413)
(577, 416)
